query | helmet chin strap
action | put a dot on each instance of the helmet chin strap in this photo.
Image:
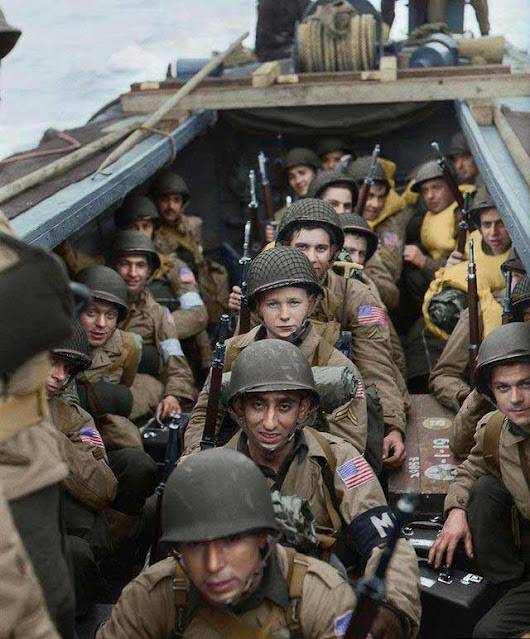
(270, 451)
(294, 336)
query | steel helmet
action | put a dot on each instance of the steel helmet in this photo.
(325, 179)
(513, 263)
(327, 145)
(135, 243)
(215, 494)
(481, 202)
(278, 267)
(272, 365)
(359, 169)
(505, 345)
(521, 298)
(134, 208)
(458, 145)
(426, 171)
(107, 285)
(169, 182)
(311, 211)
(300, 156)
(75, 350)
(354, 223)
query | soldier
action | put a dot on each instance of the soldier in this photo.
(336, 188)
(90, 487)
(462, 159)
(313, 227)
(181, 234)
(275, 28)
(300, 166)
(487, 503)
(135, 258)
(227, 576)
(332, 150)
(274, 404)
(36, 313)
(173, 285)
(283, 290)
(105, 393)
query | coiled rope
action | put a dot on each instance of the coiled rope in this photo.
(336, 38)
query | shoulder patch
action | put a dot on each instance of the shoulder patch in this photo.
(390, 238)
(371, 528)
(355, 472)
(186, 275)
(342, 623)
(372, 315)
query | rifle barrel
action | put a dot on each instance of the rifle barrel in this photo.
(448, 175)
(368, 182)
(472, 293)
(507, 310)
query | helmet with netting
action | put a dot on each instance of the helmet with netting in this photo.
(312, 213)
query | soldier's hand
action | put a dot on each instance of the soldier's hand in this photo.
(387, 625)
(394, 453)
(234, 301)
(455, 258)
(269, 233)
(414, 255)
(170, 404)
(455, 529)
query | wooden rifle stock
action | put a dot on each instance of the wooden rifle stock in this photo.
(216, 377)
(507, 310)
(266, 187)
(244, 313)
(472, 294)
(463, 225)
(449, 177)
(371, 590)
(368, 182)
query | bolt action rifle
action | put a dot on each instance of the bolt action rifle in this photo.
(173, 452)
(257, 235)
(266, 187)
(507, 309)
(216, 378)
(278, 170)
(472, 294)
(448, 176)
(368, 182)
(371, 590)
(244, 313)
(463, 224)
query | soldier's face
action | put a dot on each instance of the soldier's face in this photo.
(220, 569)
(170, 206)
(284, 309)
(272, 417)
(465, 167)
(356, 247)
(299, 178)
(494, 232)
(436, 194)
(316, 245)
(339, 198)
(511, 387)
(330, 160)
(100, 320)
(145, 227)
(375, 201)
(59, 376)
(135, 271)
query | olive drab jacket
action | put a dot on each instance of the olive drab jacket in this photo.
(381, 277)
(349, 305)
(512, 450)
(156, 326)
(474, 408)
(147, 610)
(24, 613)
(354, 503)
(90, 480)
(348, 421)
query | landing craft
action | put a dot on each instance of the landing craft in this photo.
(213, 137)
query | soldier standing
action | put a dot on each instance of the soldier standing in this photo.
(487, 503)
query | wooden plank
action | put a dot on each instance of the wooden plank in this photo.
(288, 78)
(514, 146)
(388, 68)
(304, 94)
(482, 110)
(266, 74)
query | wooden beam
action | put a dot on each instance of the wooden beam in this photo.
(514, 146)
(326, 93)
(266, 74)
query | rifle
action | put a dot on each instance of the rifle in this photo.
(265, 185)
(463, 224)
(449, 177)
(216, 377)
(371, 590)
(278, 171)
(472, 294)
(244, 313)
(173, 453)
(368, 182)
(257, 235)
(507, 310)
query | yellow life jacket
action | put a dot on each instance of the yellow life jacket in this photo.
(409, 196)
(393, 203)
(489, 280)
(389, 168)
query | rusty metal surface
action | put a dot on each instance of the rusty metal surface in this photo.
(430, 464)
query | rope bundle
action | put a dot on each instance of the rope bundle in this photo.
(336, 38)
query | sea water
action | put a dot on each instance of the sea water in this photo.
(74, 56)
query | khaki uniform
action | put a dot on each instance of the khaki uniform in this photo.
(146, 607)
(156, 326)
(24, 613)
(383, 280)
(391, 245)
(339, 310)
(363, 511)
(474, 408)
(348, 421)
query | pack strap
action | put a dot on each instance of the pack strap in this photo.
(298, 566)
(490, 446)
(181, 592)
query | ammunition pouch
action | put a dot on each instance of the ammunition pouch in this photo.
(150, 362)
(102, 397)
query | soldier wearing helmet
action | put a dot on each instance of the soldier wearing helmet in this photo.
(166, 378)
(300, 166)
(462, 159)
(336, 188)
(182, 235)
(283, 290)
(273, 405)
(332, 150)
(226, 573)
(487, 503)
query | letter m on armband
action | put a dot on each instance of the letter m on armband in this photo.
(371, 529)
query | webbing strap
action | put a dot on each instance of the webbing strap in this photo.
(129, 359)
(490, 446)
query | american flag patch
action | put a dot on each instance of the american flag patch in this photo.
(186, 275)
(359, 391)
(390, 238)
(370, 315)
(342, 623)
(355, 472)
(92, 437)
(169, 317)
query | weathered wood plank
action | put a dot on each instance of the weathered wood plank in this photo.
(266, 74)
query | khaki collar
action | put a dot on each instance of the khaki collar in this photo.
(513, 434)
